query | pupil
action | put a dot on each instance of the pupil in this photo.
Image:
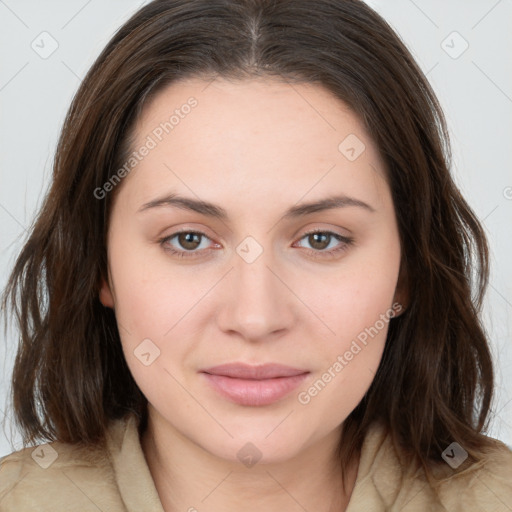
(188, 237)
(316, 237)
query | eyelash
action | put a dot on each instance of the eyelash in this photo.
(331, 253)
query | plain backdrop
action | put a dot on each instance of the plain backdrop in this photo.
(463, 47)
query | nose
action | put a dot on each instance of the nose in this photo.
(257, 302)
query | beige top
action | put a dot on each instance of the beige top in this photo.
(63, 477)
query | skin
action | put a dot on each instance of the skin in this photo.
(255, 148)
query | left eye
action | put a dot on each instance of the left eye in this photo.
(191, 240)
(319, 238)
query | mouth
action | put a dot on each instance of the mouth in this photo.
(254, 385)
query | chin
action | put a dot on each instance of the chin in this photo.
(249, 448)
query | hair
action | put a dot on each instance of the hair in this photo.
(434, 384)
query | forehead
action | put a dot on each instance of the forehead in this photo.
(263, 106)
(252, 136)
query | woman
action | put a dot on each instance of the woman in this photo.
(250, 283)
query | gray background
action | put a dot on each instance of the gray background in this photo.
(474, 87)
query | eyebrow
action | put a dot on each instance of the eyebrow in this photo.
(215, 211)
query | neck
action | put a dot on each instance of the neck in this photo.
(187, 477)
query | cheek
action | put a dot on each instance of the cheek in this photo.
(357, 308)
(153, 308)
(335, 392)
(153, 298)
(356, 296)
(360, 322)
(349, 360)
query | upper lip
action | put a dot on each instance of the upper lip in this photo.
(259, 372)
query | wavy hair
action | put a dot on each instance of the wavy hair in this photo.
(435, 381)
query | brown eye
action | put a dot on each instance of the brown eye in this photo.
(318, 240)
(186, 244)
(321, 243)
(189, 240)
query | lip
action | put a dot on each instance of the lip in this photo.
(254, 385)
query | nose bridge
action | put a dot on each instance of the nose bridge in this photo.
(257, 304)
(253, 274)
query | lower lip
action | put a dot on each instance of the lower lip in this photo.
(254, 392)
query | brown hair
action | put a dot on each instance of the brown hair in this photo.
(435, 381)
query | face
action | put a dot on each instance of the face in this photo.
(257, 276)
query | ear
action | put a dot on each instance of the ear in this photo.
(401, 297)
(106, 297)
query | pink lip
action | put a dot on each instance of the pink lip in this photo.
(254, 385)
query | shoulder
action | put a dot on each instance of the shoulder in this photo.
(388, 480)
(482, 485)
(58, 476)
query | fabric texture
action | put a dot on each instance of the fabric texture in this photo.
(63, 477)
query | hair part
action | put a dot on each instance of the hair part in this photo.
(435, 381)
